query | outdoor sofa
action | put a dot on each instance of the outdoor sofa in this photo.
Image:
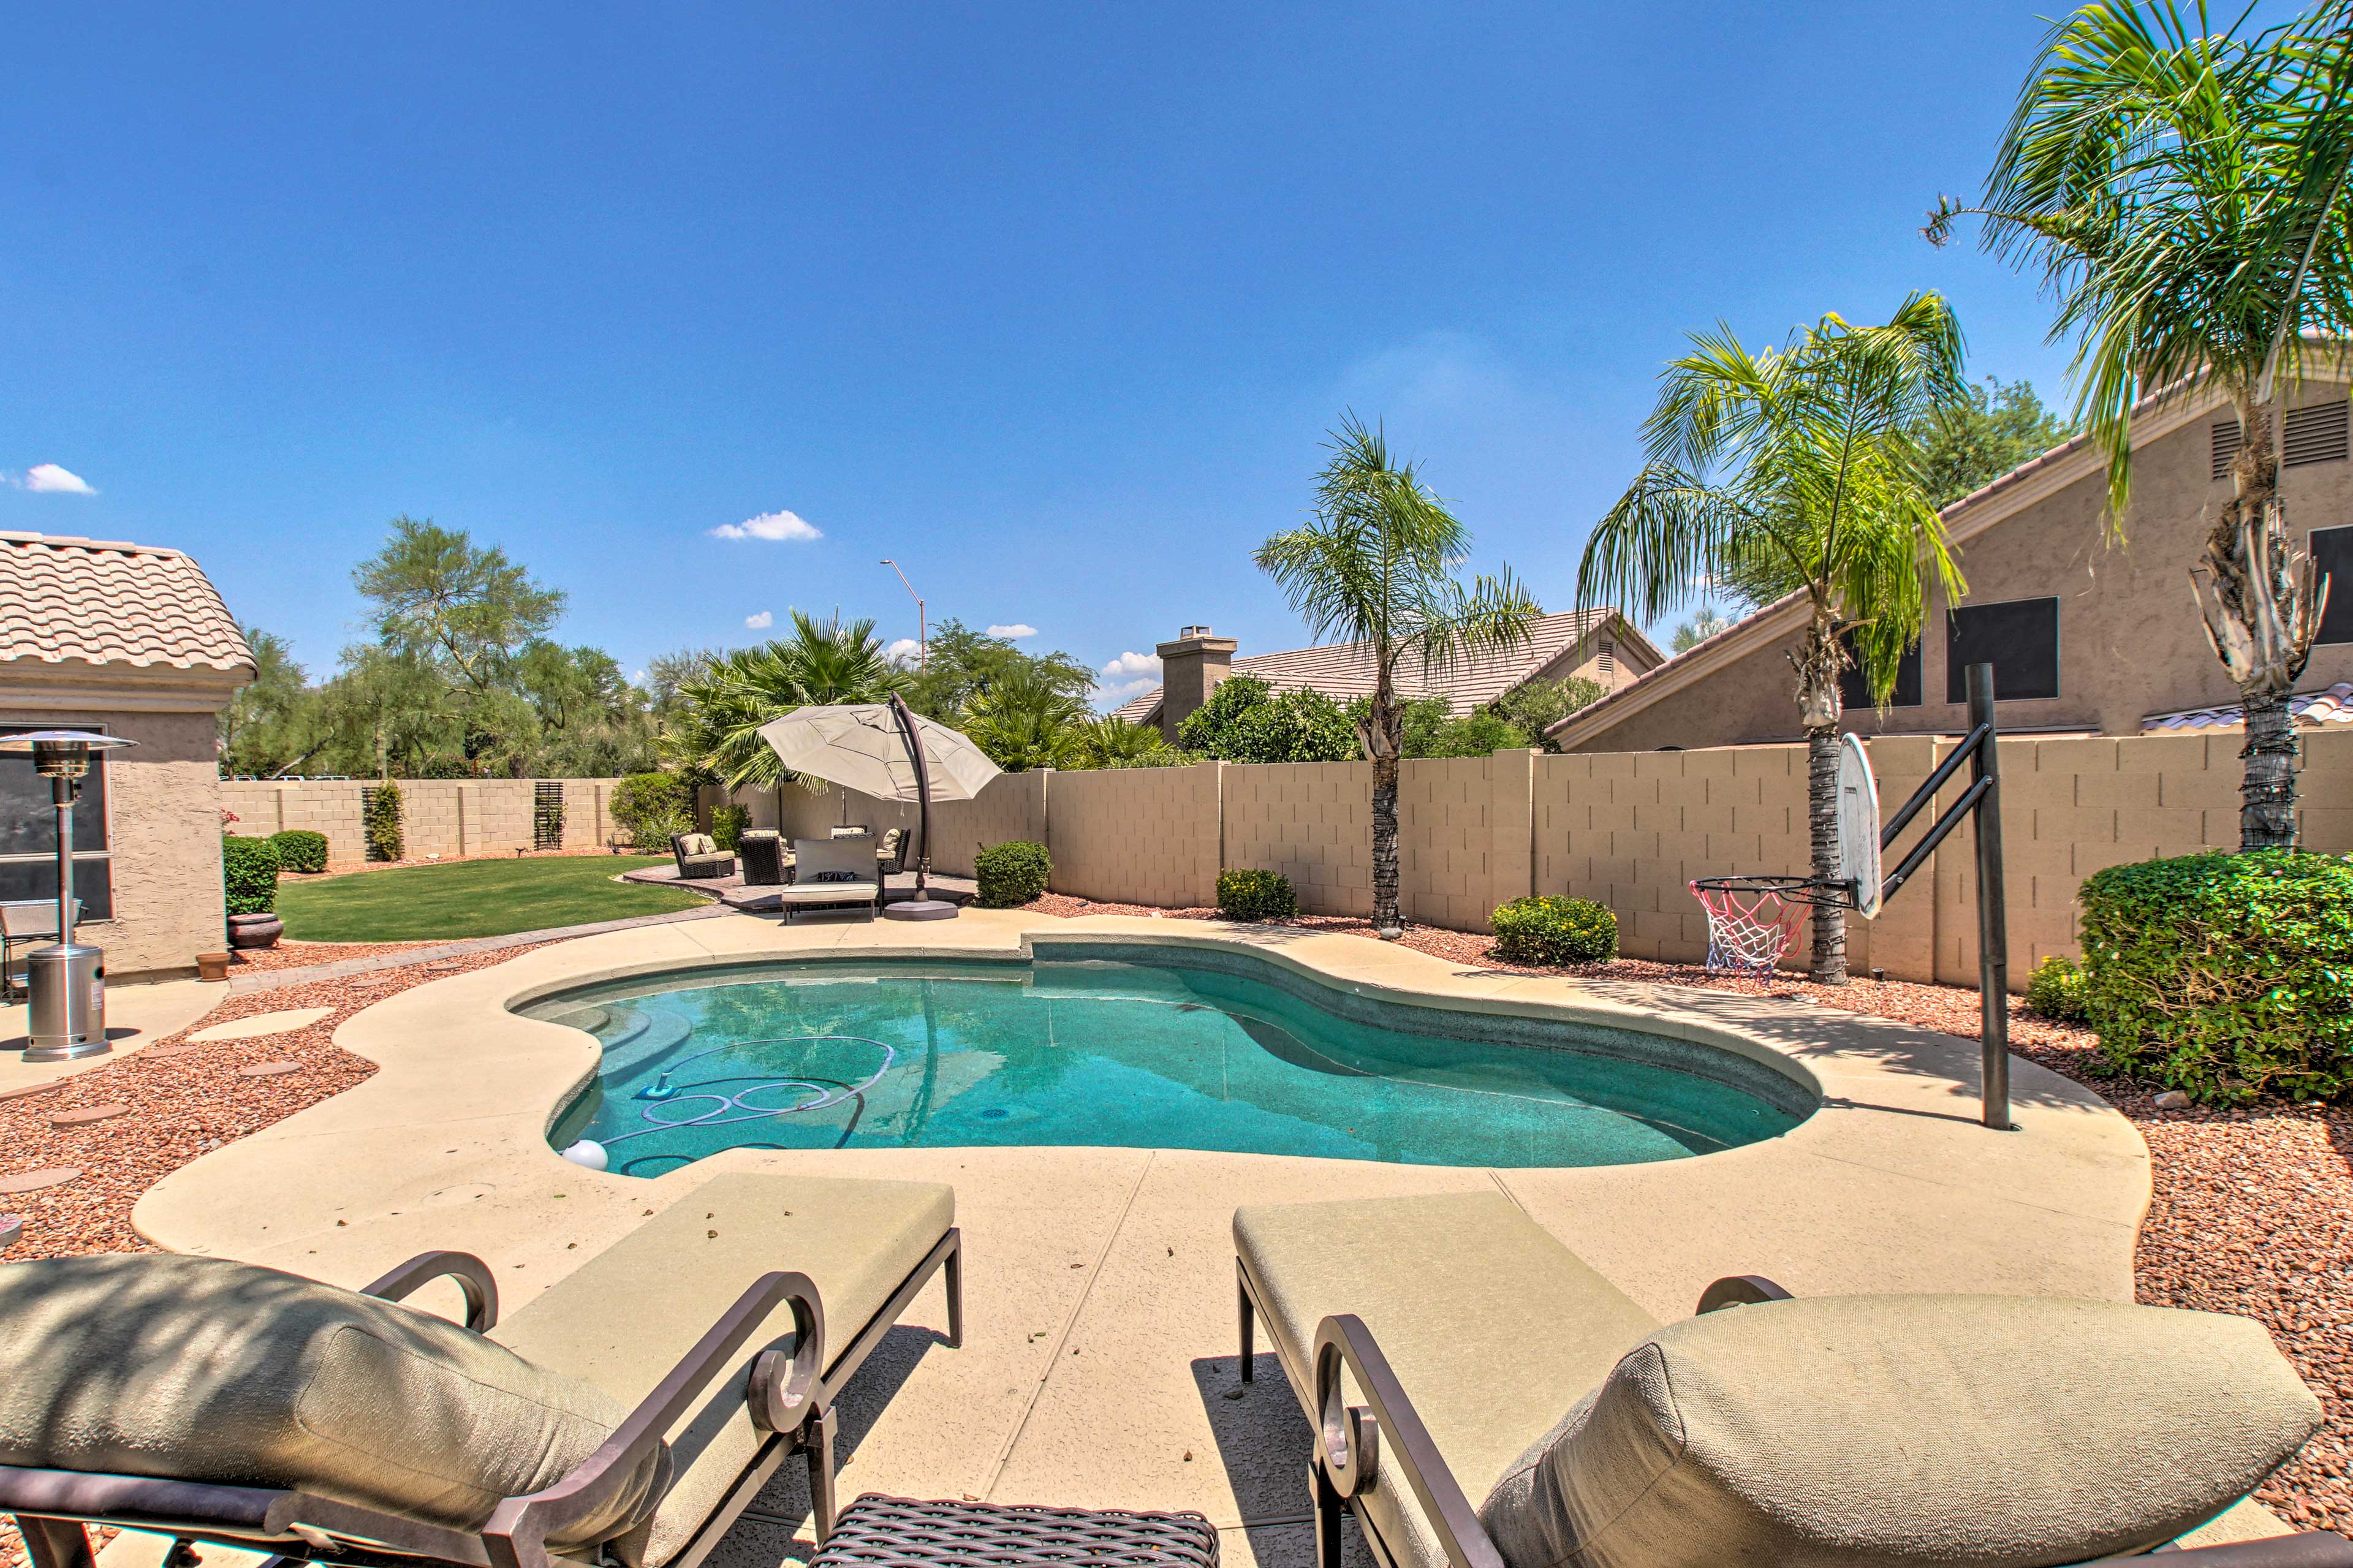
(699, 856)
(627, 1415)
(832, 873)
(1446, 1350)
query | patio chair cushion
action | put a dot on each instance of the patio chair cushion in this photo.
(692, 844)
(1493, 1326)
(2002, 1432)
(206, 1370)
(625, 1318)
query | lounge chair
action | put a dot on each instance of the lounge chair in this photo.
(625, 1416)
(1840, 1431)
(830, 873)
(699, 857)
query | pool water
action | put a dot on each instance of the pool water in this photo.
(1129, 1055)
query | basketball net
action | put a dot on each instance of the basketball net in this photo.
(1748, 931)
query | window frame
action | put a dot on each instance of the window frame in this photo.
(1957, 671)
(2340, 588)
(101, 857)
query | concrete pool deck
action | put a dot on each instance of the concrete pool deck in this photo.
(1099, 1361)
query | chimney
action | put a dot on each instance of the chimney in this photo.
(1190, 668)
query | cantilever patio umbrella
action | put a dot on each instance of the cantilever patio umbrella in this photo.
(884, 748)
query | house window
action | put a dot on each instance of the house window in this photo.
(2020, 638)
(2332, 557)
(1855, 692)
(28, 833)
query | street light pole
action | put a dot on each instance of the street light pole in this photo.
(922, 629)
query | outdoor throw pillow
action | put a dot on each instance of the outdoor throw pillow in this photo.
(201, 1369)
(1840, 1431)
(698, 844)
(837, 875)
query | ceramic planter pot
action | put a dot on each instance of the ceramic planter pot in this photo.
(254, 931)
(212, 966)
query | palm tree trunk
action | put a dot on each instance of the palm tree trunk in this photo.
(1822, 826)
(2267, 795)
(1385, 919)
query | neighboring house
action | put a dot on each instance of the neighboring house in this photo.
(2086, 636)
(134, 641)
(1599, 644)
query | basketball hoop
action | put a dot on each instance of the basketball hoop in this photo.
(1751, 919)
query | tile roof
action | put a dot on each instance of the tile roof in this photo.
(1345, 670)
(94, 602)
(2330, 705)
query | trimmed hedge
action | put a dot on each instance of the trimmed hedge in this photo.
(2224, 975)
(1554, 931)
(1011, 874)
(727, 826)
(249, 875)
(1256, 896)
(300, 849)
(2056, 990)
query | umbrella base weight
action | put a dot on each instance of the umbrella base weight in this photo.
(920, 910)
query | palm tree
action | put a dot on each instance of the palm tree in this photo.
(1377, 566)
(1799, 465)
(724, 706)
(2184, 194)
(1114, 742)
(1025, 721)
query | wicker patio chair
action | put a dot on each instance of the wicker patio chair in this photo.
(1837, 1432)
(627, 1415)
(699, 857)
(891, 855)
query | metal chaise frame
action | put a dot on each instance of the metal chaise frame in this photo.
(791, 1400)
(1354, 1442)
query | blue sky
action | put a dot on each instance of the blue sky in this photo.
(1051, 304)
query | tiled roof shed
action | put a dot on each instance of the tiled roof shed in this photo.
(84, 601)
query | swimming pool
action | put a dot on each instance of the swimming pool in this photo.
(1147, 1047)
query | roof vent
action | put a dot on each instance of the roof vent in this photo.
(2226, 446)
(2313, 434)
(1184, 632)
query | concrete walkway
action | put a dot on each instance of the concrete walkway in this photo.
(1099, 1367)
(136, 1017)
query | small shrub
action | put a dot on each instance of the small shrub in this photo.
(1554, 931)
(650, 807)
(1011, 874)
(2224, 975)
(727, 826)
(2056, 990)
(380, 821)
(300, 849)
(249, 875)
(1256, 896)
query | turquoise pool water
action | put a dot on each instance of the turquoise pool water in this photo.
(1134, 1055)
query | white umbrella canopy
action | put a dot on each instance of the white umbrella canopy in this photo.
(860, 746)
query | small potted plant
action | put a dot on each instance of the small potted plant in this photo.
(249, 879)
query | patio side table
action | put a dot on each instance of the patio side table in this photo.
(763, 854)
(905, 1534)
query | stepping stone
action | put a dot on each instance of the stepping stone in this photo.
(181, 1049)
(269, 1069)
(11, 1226)
(261, 1023)
(37, 1181)
(88, 1114)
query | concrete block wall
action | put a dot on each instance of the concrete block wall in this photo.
(1144, 836)
(1011, 806)
(439, 818)
(1312, 822)
(1465, 840)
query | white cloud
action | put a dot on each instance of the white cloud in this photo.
(1133, 664)
(1016, 630)
(778, 524)
(57, 480)
(1118, 694)
(760, 622)
(906, 651)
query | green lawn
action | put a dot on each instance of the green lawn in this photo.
(472, 898)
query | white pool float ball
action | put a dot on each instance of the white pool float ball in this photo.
(587, 1153)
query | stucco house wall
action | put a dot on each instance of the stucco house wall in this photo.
(2130, 640)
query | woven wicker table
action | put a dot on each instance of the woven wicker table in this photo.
(889, 1531)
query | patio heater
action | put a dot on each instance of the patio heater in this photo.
(67, 982)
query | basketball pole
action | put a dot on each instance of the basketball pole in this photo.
(1993, 924)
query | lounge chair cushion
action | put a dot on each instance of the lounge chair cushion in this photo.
(1840, 1431)
(625, 1318)
(1493, 1327)
(692, 844)
(204, 1369)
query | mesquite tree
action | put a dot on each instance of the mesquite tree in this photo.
(2184, 194)
(1798, 467)
(1377, 566)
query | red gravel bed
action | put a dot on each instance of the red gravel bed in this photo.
(292, 954)
(2253, 1212)
(181, 1106)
